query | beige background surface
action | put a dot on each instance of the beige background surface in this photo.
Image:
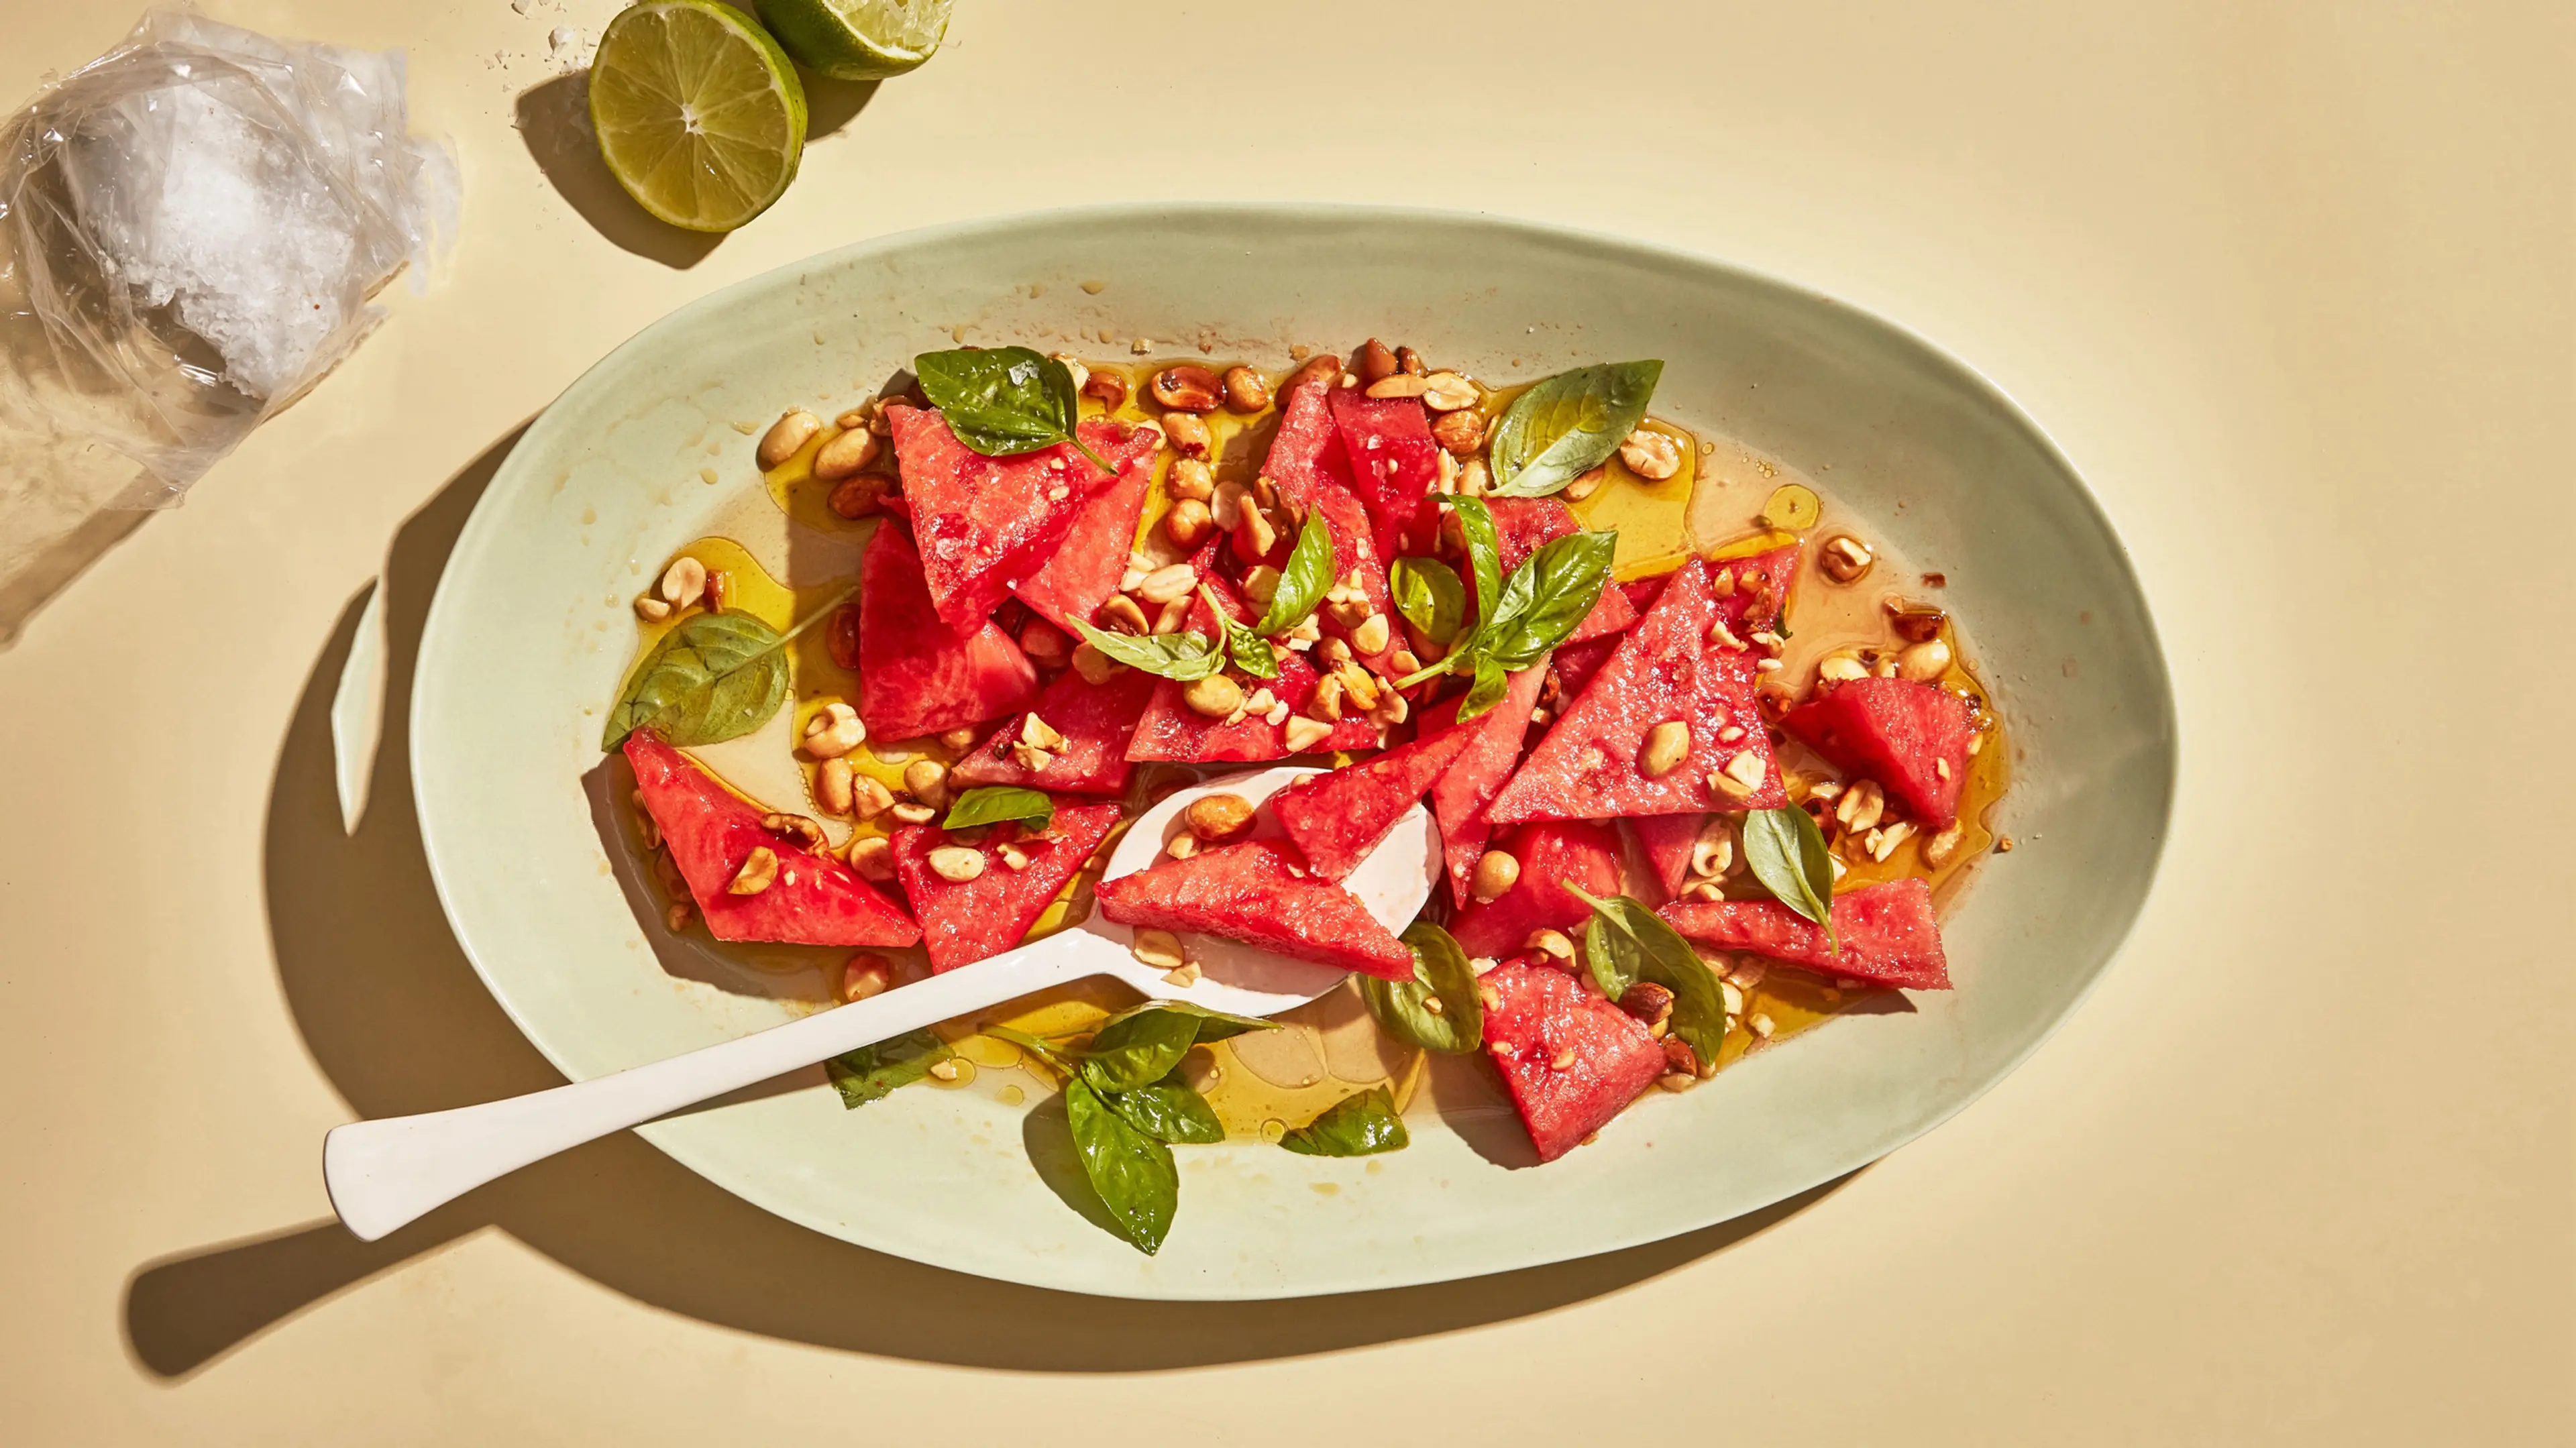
(2290, 283)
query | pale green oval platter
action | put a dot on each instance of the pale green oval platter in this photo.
(532, 629)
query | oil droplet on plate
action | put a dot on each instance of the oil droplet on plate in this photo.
(1013, 1095)
(1274, 1129)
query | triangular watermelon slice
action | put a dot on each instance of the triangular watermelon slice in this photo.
(1524, 525)
(1912, 738)
(1171, 729)
(916, 677)
(1256, 892)
(1668, 841)
(1753, 592)
(1570, 1059)
(1338, 816)
(711, 832)
(1550, 853)
(1576, 664)
(1095, 720)
(1887, 933)
(986, 523)
(1084, 570)
(1393, 464)
(964, 921)
(1307, 462)
(1459, 796)
(1588, 766)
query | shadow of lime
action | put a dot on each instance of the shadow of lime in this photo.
(395, 1016)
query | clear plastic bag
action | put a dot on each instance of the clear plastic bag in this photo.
(191, 227)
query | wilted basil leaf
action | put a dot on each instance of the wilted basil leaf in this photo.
(1361, 1125)
(1169, 1111)
(871, 1073)
(1440, 974)
(992, 804)
(1429, 595)
(713, 677)
(1662, 956)
(1786, 852)
(1250, 651)
(1304, 582)
(1133, 1173)
(1184, 656)
(1568, 425)
(1002, 401)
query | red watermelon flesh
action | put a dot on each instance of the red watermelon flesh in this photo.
(1096, 721)
(1171, 729)
(1339, 816)
(916, 677)
(1587, 766)
(1459, 796)
(1577, 663)
(1755, 590)
(986, 523)
(1912, 738)
(1668, 841)
(1307, 461)
(1551, 852)
(1887, 934)
(1256, 892)
(1085, 568)
(964, 921)
(1570, 1059)
(1524, 525)
(1393, 464)
(711, 831)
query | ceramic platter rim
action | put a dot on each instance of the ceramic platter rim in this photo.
(1921, 443)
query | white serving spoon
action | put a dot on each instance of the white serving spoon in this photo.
(382, 1174)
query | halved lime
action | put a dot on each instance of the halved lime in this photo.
(700, 117)
(858, 39)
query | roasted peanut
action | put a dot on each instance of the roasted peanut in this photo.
(1401, 384)
(869, 796)
(1043, 642)
(1844, 558)
(1496, 873)
(846, 455)
(1652, 455)
(651, 609)
(1160, 949)
(1375, 362)
(1191, 481)
(1582, 487)
(927, 781)
(1924, 662)
(757, 872)
(1459, 433)
(832, 786)
(1913, 622)
(872, 856)
(1121, 614)
(957, 740)
(786, 437)
(1094, 666)
(956, 863)
(1305, 733)
(1107, 388)
(1373, 634)
(1447, 392)
(1168, 583)
(834, 731)
(1215, 696)
(860, 496)
(865, 974)
(1217, 818)
(1186, 388)
(1245, 390)
(1188, 434)
(1667, 745)
(684, 582)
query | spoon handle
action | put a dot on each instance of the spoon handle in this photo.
(384, 1173)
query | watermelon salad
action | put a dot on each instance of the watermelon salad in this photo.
(1706, 760)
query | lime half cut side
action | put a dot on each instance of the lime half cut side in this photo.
(699, 114)
(858, 39)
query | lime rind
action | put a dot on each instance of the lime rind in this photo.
(858, 39)
(698, 111)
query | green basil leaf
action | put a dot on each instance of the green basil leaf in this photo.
(1568, 425)
(1133, 1173)
(1484, 550)
(992, 804)
(1612, 956)
(1662, 956)
(871, 1073)
(1184, 656)
(1546, 597)
(1361, 1125)
(1250, 651)
(1304, 582)
(1045, 1050)
(1488, 689)
(1136, 1049)
(713, 677)
(1440, 974)
(1786, 852)
(1002, 401)
(1429, 595)
(1169, 1111)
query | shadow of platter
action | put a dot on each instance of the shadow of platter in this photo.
(397, 1019)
